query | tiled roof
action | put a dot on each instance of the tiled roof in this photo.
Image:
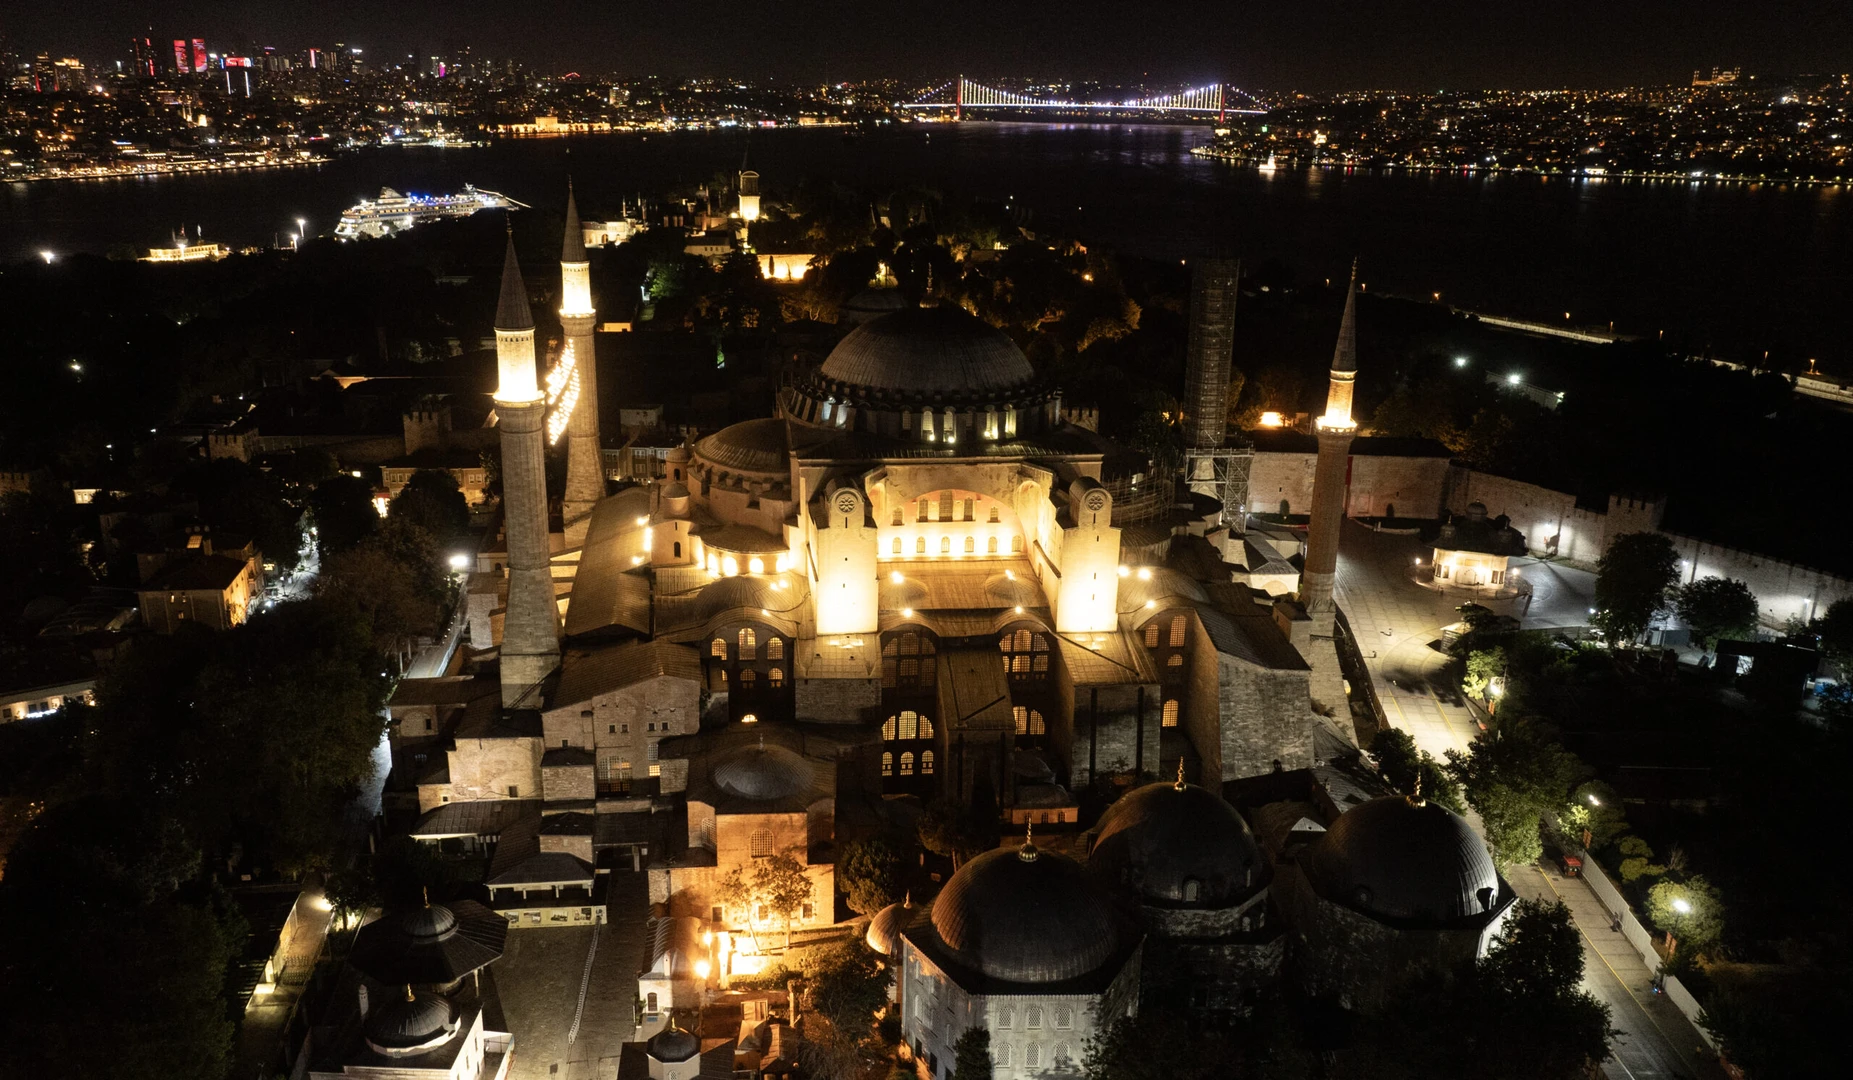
(587, 673)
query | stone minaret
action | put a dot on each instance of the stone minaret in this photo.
(585, 466)
(1335, 431)
(531, 628)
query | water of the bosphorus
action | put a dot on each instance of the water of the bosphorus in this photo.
(1736, 267)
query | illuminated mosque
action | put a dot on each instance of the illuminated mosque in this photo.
(916, 577)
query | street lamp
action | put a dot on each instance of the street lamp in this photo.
(1683, 906)
(47, 256)
(1495, 689)
(459, 561)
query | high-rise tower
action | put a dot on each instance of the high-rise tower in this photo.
(585, 465)
(531, 628)
(1335, 430)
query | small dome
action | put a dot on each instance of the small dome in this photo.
(1397, 859)
(672, 1044)
(410, 1023)
(1161, 840)
(1026, 916)
(931, 350)
(871, 303)
(884, 933)
(758, 446)
(763, 773)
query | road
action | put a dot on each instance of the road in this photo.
(1398, 626)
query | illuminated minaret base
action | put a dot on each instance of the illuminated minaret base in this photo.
(531, 627)
(1335, 430)
(585, 465)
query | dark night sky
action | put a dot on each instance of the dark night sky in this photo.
(1297, 44)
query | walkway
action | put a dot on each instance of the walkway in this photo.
(1657, 1041)
(267, 1015)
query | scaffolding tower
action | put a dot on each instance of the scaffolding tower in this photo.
(1222, 473)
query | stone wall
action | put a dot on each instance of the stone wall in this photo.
(493, 769)
(1266, 721)
(1113, 735)
(567, 782)
(1414, 486)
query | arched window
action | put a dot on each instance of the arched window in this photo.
(1064, 1018)
(1175, 660)
(1036, 726)
(1016, 545)
(907, 763)
(945, 497)
(888, 729)
(1169, 717)
(921, 512)
(1032, 1017)
(1193, 890)
(926, 763)
(761, 844)
(1029, 721)
(990, 546)
(678, 547)
(897, 515)
(1032, 1056)
(718, 649)
(1177, 631)
(887, 764)
(775, 677)
(971, 545)
(747, 677)
(1021, 714)
(926, 728)
(775, 648)
(945, 545)
(649, 1002)
(993, 515)
(1151, 634)
(1063, 1055)
(749, 644)
(968, 509)
(1006, 1017)
(919, 545)
(895, 547)
(1003, 1050)
(910, 724)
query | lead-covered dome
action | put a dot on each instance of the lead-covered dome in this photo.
(884, 932)
(409, 1025)
(1395, 858)
(1178, 845)
(1026, 916)
(928, 350)
(763, 773)
(758, 446)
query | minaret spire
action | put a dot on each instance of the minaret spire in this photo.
(1331, 496)
(585, 467)
(530, 649)
(1344, 362)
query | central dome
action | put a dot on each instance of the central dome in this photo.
(763, 773)
(1397, 859)
(1035, 919)
(928, 350)
(1163, 839)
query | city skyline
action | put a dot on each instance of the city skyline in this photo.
(1321, 47)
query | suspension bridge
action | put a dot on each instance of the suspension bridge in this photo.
(962, 93)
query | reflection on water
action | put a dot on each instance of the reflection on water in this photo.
(1737, 267)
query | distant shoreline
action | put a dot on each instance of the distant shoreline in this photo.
(188, 168)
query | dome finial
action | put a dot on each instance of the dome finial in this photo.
(907, 899)
(426, 890)
(1180, 773)
(408, 992)
(1415, 797)
(1028, 851)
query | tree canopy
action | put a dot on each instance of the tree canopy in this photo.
(434, 502)
(1715, 608)
(1634, 579)
(1514, 776)
(872, 873)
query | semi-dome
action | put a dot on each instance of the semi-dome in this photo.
(1178, 845)
(763, 773)
(928, 350)
(760, 446)
(1397, 858)
(1026, 916)
(410, 1024)
(884, 933)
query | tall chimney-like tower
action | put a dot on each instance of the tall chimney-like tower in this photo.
(1335, 431)
(531, 630)
(585, 465)
(1209, 351)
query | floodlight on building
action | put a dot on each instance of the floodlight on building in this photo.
(896, 576)
(749, 718)
(1124, 570)
(756, 566)
(1460, 361)
(1010, 575)
(1514, 379)
(642, 520)
(1145, 573)
(47, 256)
(459, 561)
(1272, 419)
(1150, 604)
(907, 613)
(702, 969)
(355, 474)
(1019, 609)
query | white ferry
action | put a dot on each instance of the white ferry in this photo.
(394, 213)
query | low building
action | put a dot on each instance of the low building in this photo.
(1474, 551)
(205, 589)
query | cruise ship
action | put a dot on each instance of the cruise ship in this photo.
(394, 213)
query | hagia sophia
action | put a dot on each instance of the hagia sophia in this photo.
(917, 580)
